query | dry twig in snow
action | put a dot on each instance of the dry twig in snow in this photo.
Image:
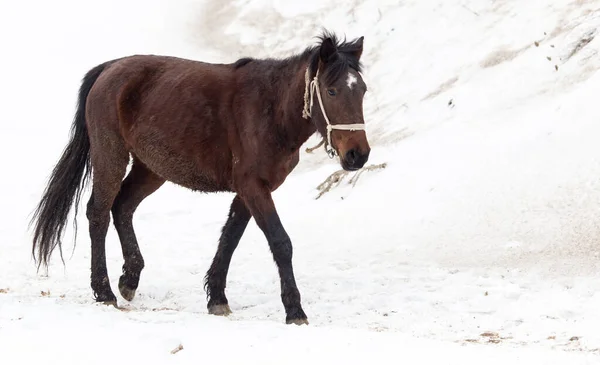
(177, 349)
(336, 178)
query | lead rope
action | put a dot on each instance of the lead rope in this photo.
(310, 88)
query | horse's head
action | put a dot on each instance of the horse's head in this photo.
(336, 100)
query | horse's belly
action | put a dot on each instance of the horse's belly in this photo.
(202, 171)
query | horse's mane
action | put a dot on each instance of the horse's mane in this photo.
(347, 58)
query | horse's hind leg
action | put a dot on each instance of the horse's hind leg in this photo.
(139, 184)
(109, 166)
(216, 277)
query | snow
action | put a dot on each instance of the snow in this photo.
(480, 240)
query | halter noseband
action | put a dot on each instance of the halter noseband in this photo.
(309, 91)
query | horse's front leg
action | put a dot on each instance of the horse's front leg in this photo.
(260, 203)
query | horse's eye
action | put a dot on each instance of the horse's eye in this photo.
(331, 92)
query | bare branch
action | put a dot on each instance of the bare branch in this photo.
(177, 349)
(336, 178)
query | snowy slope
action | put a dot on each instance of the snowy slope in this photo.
(485, 221)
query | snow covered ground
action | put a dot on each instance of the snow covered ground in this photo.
(480, 241)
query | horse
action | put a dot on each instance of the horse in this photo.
(209, 127)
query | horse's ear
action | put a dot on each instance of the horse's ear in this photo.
(328, 51)
(359, 47)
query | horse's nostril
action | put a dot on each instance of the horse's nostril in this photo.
(351, 156)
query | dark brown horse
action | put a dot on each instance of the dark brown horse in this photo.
(207, 127)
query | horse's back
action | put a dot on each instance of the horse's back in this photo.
(171, 113)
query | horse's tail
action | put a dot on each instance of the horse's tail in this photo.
(66, 182)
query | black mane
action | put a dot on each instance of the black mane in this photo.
(347, 51)
(242, 62)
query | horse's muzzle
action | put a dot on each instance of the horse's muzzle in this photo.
(354, 159)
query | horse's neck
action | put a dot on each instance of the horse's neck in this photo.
(297, 129)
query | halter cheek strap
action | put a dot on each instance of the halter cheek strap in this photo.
(310, 90)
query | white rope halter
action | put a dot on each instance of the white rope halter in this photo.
(310, 89)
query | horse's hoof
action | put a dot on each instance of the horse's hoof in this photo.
(126, 293)
(106, 298)
(220, 310)
(297, 321)
(112, 303)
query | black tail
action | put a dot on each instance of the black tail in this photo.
(66, 182)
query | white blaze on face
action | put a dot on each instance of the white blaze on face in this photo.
(351, 80)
